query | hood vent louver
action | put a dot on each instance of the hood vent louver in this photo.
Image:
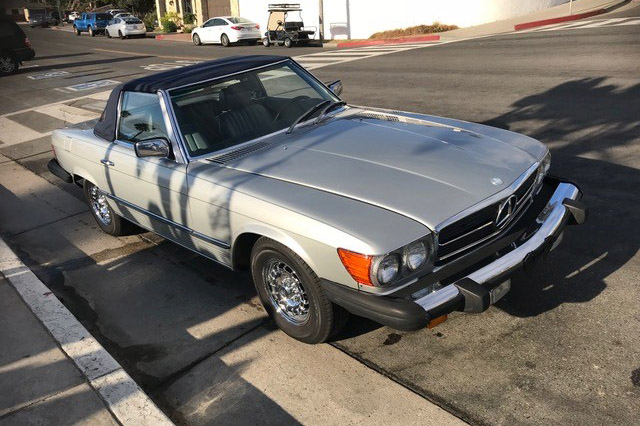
(237, 153)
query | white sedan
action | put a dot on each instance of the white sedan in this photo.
(226, 30)
(125, 27)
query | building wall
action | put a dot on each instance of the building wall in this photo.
(361, 18)
(19, 9)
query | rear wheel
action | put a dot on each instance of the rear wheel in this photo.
(288, 42)
(224, 39)
(104, 215)
(8, 64)
(106, 32)
(122, 36)
(290, 292)
(91, 33)
(265, 42)
(196, 40)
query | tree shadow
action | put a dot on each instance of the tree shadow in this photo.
(592, 128)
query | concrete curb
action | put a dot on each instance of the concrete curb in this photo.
(174, 37)
(577, 16)
(399, 40)
(123, 397)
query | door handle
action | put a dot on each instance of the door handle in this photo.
(107, 162)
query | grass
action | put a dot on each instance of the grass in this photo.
(436, 27)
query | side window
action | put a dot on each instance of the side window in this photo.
(219, 22)
(140, 117)
(209, 23)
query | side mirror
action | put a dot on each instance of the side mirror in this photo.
(335, 87)
(152, 148)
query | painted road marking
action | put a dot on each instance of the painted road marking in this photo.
(12, 133)
(170, 65)
(592, 23)
(48, 74)
(123, 397)
(90, 85)
(68, 113)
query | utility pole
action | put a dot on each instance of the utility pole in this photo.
(321, 19)
(60, 17)
(570, 7)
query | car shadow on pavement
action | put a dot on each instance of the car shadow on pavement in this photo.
(593, 144)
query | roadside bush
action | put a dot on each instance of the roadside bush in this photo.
(436, 27)
(149, 21)
(169, 22)
(187, 29)
(189, 18)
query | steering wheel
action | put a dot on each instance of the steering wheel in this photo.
(288, 105)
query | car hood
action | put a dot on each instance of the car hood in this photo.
(422, 167)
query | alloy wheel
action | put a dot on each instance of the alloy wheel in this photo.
(100, 206)
(7, 65)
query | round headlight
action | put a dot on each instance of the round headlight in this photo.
(415, 255)
(388, 269)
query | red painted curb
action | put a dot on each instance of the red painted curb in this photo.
(389, 41)
(543, 22)
(174, 37)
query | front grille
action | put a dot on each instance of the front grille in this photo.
(462, 236)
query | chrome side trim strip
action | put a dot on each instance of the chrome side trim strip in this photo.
(555, 212)
(166, 221)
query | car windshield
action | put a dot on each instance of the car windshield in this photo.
(132, 20)
(104, 16)
(232, 110)
(238, 20)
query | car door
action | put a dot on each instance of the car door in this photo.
(206, 32)
(150, 191)
(218, 29)
(81, 24)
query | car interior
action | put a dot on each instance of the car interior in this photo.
(226, 113)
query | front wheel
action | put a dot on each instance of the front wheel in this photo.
(196, 40)
(106, 32)
(290, 292)
(265, 42)
(91, 33)
(122, 36)
(76, 31)
(224, 39)
(8, 64)
(288, 42)
(102, 212)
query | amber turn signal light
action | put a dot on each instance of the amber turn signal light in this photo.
(436, 321)
(358, 265)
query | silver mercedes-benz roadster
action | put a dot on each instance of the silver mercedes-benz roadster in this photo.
(254, 163)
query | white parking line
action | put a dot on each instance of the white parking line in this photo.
(124, 398)
(12, 133)
(68, 113)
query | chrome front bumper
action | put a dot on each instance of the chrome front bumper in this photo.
(552, 219)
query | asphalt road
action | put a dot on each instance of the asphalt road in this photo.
(561, 348)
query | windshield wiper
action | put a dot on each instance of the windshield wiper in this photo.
(308, 113)
(328, 108)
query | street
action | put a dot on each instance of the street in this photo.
(560, 348)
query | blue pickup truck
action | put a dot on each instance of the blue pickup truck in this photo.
(93, 23)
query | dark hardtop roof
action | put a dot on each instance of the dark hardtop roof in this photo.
(106, 125)
(199, 72)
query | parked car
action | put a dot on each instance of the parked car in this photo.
(125, 27)
(42, 21)
(15, 47)
(93, 23)
(254, 163)
(124, 15)
(226, 30)
(72, 16)
(114, 12)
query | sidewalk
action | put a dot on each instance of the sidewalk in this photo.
(38, 383)
(508, 25)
